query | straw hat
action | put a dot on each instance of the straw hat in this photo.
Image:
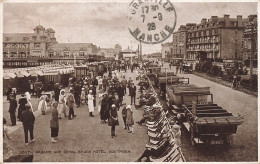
(90, 91)
(82, 89)
(113, 106)
(128, 107)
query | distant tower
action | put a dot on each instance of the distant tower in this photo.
(118, 48)
(39, 30)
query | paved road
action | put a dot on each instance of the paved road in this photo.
(84, 139)
(244, 146)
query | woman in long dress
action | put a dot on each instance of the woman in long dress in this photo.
(129, 118)
(90, 103)
(42, 105)
(62, 103)
(28, 97)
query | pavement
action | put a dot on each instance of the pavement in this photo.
(83, 139)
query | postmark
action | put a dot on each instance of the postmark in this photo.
(151, 21)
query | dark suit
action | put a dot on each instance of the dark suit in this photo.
(12, 110)
(28, 120)
(132, 92)
(120, 93)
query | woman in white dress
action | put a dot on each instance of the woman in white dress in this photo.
(28, 97)
(90, 103)
(62, 103)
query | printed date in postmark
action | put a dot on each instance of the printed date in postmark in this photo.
(151, 21)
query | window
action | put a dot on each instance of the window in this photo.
(7, 38)
(37, 45)
(81, 53)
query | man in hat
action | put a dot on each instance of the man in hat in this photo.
(12, 109)
(124, 82)
(132, 92)
(124, 112)
(91, 103)
(104, 112)
(22, 101)
(113, 120)
(70, 104)
(120, 93)
(57, 92)
(28, 119)
(77, 93)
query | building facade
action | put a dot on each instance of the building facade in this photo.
(216, 38)
(166, 50)
(250, 28)
(107, 52)
(20, 45)
(179, 46)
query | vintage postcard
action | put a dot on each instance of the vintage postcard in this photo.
(129, 81)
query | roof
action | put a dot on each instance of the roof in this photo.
(128, 50)
(70, 46)
(109, 50)
(39, 27)
(49, 30)
(17, 37)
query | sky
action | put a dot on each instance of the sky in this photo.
(106, 24)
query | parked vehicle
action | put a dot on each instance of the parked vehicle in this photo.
(210, 123)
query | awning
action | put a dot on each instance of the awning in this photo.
(50, 73)
(19, 74)
(26, 74)
(33, 73)
(39, 73)
(9, 75)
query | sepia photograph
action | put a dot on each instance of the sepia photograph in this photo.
(129, 81)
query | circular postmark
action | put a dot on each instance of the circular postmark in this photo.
(151, 21)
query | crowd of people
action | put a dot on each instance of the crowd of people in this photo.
(104, 93)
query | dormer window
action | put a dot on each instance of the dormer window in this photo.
(25, 38)
(7, 38)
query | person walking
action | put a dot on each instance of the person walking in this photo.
(83, 96)
(28, 120)
(28, 98)
(70, 103)
(124, 111)
(42, 106)
(132, 92)
(104, 112)
(56, 92)
(77, 94)
(129, 119)
(62, 104)
(120, 93)
(12, 109)
(22, 101)
(91, 103)
(177, 69)
(113, 120)
(54, 122)
(124, 82)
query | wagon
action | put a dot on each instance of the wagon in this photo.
(210, 124)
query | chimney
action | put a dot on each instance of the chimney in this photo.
(239, 21)
(203, 21)
(214, 18)
(226, 20)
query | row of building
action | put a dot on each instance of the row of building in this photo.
(43, 44)
(217, 38)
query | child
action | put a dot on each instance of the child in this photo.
(83, 96)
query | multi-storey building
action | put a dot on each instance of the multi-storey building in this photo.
(22, 45)
(216, 38)
(250, 28)
(179, 46)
